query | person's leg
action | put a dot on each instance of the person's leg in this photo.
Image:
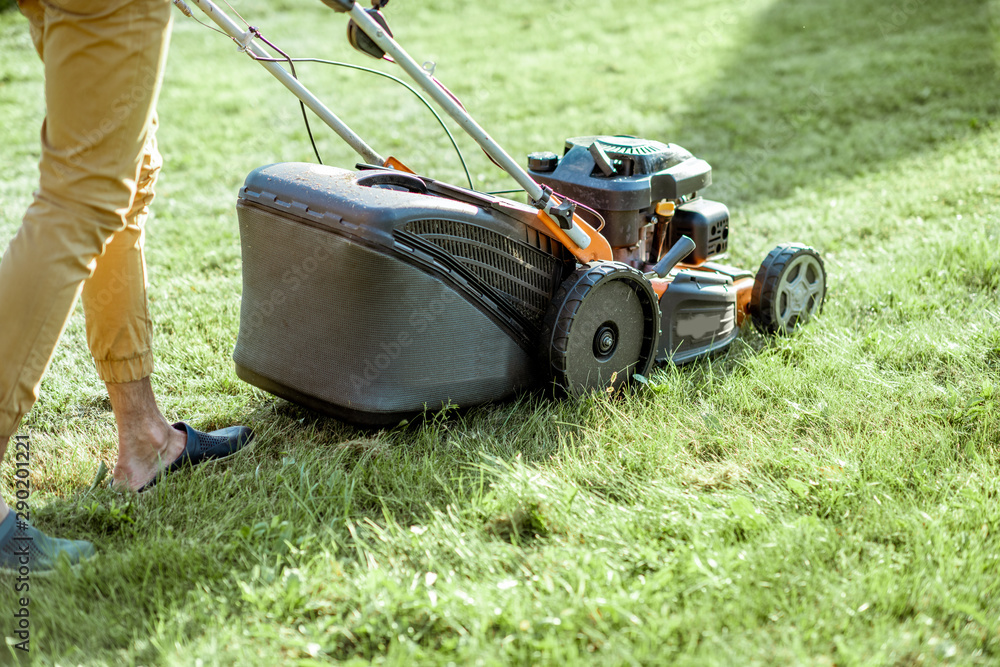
(102, 70)
(120, 333)
(103, 62)
(147, 443)
(119, 327)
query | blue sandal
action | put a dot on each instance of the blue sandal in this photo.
(202, 447)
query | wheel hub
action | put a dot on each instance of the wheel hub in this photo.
(799, 296)
(605, 341)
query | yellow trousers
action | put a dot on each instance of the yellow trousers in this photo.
(83, 232)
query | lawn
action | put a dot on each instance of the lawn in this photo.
(832, 498)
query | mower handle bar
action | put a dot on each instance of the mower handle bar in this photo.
(560, 212)
(247, 43)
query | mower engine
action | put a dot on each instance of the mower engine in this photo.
(647, 192)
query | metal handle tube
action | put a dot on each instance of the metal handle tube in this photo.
(245, 40)
(460, 115)
(454, 109)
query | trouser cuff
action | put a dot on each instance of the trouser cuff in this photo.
(119, 371)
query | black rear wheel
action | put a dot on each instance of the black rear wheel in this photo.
(789, 288)
(601, 328)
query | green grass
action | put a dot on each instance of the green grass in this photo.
(831, 498)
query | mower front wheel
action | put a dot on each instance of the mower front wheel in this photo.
(789, 288)
(601, 328)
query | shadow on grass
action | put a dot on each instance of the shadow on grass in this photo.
(841, 88)
(7, 5)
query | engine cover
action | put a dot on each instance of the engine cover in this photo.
(619, 177)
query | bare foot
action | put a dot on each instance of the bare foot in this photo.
(147, 443)
(142, 457)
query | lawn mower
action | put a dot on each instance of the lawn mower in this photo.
(375, 293)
